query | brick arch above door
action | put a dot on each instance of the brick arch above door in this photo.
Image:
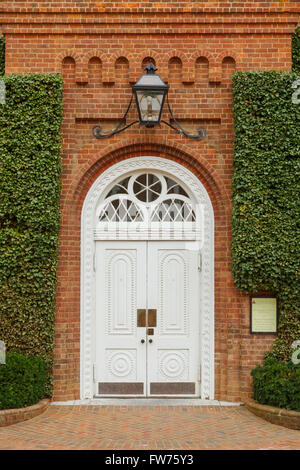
(198, 162)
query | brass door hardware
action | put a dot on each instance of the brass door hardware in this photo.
(146, 317)
(152, 317)
(141, 317)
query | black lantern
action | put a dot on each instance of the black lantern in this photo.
(150, 93)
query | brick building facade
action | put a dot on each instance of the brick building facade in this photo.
(100, 49)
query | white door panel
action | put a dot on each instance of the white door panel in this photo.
(121, 290)
(159, 276)
(173, 354)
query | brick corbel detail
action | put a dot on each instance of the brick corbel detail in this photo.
(108, 68)
(192, 58)
(188, 69)
(85, 63)
(228, 54)
(80, 73)
(135, 60)
(175, 53)
(215, 72)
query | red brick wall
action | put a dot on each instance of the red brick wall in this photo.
(100, 50)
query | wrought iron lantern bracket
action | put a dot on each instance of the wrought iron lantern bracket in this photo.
(179, 129)
(158, 88)
(97, 130)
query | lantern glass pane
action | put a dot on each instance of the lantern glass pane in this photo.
(150, 104)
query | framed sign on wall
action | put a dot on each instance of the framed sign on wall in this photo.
(263, 314)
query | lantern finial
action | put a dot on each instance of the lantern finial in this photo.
(150, 68)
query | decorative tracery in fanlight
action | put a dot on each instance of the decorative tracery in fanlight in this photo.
(147, 197)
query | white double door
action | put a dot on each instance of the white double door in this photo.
(147, 319)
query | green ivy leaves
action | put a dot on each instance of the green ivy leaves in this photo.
(266, 191)
(30, 167)
(296, 50)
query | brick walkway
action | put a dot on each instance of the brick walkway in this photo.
(145, 427)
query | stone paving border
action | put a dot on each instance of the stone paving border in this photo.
(16, 415)
(280, 416)
(144, 402)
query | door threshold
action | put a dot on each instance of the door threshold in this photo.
(145, 402)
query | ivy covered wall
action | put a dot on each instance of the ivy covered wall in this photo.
(2, 55)
(266, 195)
(30, 168)
(296, 50)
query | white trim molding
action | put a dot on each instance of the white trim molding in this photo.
(203, 234)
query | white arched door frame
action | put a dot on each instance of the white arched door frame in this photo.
(206, 244)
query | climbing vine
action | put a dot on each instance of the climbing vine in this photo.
(296, 50)
(30, 168)
(266, 195)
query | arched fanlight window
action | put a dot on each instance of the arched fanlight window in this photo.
(173, 210)
(147, 197)
(120, 210)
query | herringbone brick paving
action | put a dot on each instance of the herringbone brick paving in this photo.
(147, 427)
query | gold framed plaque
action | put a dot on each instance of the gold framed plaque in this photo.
(263, 315)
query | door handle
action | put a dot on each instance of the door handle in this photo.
(150, 340)
(144, 320)
(141, 317)
(142, 341)
(152, 313)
